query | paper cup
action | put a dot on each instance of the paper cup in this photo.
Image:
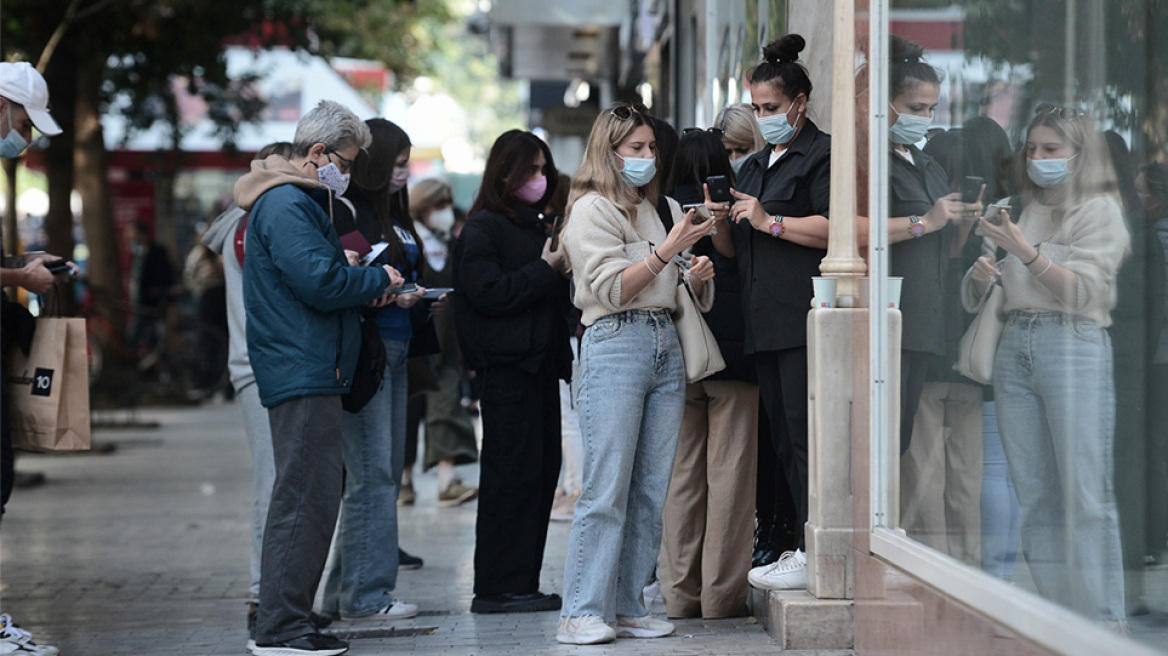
(824, 292)
(894, 285)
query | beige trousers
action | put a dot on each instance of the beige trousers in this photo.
(708, 520)
(940, 474)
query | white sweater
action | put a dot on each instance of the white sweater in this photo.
(601, 243)
(1091, 241)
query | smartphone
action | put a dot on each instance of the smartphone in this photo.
(994, 215)
(701, 212)
(407, 288)
(971, 188)
(719, 186)
(59, 267)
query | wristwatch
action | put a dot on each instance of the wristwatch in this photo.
(915, 226)
(776, 225)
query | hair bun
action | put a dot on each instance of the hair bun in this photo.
(903, 51)
(785, 49)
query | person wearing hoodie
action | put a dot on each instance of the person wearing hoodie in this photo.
(301, 298)
(225, 237)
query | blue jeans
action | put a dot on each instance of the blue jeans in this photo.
(1055, 396)
(1001, 518)
(259, 440)
(632, 398)
(363, 571)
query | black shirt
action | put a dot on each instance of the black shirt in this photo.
(922, 262)
(776, 274)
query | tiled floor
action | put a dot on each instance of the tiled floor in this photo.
(144, 551)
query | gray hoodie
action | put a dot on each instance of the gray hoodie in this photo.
(220, 237)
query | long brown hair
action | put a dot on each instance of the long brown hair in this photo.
(372, 171)
(508, 168)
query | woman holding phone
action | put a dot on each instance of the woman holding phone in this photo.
(632, 378)
(510, 303)
(360, 584)
(779, 236)
(1053, 375)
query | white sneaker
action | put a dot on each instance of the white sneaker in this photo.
(18, 641)
(642, 627)
(789, 572)
(652, 598)
(584, 630)
(396, 610)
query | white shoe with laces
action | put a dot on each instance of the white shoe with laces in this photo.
(396, 610)
(15, 640)
(584, 630)
(642, 627)
(789, 572)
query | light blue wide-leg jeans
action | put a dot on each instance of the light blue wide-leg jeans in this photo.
(632, 398)
(363, 571)
(1055, 395)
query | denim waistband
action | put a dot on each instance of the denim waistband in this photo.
(633, 315)
(1038, 318)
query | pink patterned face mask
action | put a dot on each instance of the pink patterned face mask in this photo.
(401, 175)
(533, 190)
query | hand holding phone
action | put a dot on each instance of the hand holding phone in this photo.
(404, 288)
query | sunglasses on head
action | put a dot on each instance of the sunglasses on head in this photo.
(624, 111)
(718, 132)
(1064, 112)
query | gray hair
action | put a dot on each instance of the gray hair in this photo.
(333, 125)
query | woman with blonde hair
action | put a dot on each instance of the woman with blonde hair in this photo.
(1053, 376)
(740, 133)
(632, 378)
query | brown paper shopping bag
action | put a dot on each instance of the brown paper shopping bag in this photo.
(49, 389)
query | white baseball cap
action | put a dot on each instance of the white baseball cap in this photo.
(24, 85)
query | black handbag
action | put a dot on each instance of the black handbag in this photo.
(370, 371)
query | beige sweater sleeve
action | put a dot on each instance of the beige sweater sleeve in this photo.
(600, 244)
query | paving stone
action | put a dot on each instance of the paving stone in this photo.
(144, 551)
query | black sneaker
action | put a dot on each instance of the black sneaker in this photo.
(406, 561)
(313, 644)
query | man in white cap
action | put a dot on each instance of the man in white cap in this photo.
(24, 99)
(24, 103)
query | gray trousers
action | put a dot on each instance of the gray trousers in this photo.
(306, 497)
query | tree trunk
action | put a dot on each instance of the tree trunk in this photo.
(10, 237)
(90, 164)
(62, 77)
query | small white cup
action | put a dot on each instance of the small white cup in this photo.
(824, 292)
(894, 285)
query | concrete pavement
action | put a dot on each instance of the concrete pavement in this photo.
(145, 551)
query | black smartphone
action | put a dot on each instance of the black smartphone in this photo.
(719, 186)
(407, 288)
(59, 267)
(971, 188)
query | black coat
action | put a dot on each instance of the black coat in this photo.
(510, 307)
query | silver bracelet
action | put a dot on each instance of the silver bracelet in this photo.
(1045, 268)
(646, 263)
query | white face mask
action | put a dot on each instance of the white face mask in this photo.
(441, 221)
(14, 142)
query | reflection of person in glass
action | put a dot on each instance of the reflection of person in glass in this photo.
(1053, 381)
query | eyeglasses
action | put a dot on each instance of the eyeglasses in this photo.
(1066, 113)
(717, 132)
(346, 165)
(624, 111)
